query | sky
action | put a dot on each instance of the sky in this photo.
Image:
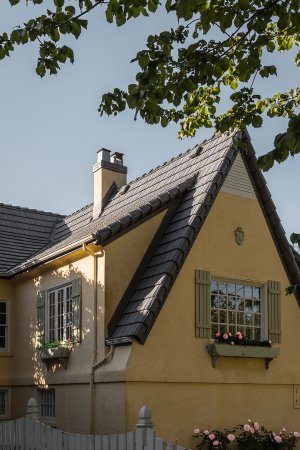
(50, 128)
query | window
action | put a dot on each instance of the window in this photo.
(59, 314)
(46, 402)
(4, 403)
(255, 309)
(236, 307)
(4, 320)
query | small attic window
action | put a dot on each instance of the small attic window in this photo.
(124, 189)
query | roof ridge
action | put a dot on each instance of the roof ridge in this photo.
(23, 208)
(174, 158)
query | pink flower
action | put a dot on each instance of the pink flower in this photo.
(278, 439)
(296, 434)
(218, 334)
(252, 430)
(225, 336)
(247, 427)
(240, 336)
(256, 426)
(231, 437)
(211, 437)
(238, 333)
(206, 432)
(216, 443)
(196, 431)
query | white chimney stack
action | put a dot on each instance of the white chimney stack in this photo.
(109, 169)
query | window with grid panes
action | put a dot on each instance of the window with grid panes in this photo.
(236, 307)
(59, 314)
(3, 402)
(3, 325)
(46, 401)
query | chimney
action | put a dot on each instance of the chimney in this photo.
(108, 170)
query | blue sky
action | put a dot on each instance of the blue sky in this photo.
(51, 130)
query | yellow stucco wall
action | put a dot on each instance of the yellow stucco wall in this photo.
(172, 372)
(122, 259)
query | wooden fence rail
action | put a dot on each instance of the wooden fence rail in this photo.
(27, 433)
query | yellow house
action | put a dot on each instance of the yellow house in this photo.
(118, 304)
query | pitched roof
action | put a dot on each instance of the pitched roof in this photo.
(23, 232)
(146, 295)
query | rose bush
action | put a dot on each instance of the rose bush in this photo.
(248, 436)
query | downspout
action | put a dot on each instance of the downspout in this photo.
(95, 365)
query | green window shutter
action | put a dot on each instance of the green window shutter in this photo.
(40, 312)
(274, 313)
(202, 291)
(76, 310)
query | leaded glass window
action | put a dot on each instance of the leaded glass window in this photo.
(236, 307)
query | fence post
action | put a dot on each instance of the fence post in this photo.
(145, 418)
(32, 413)
(32, 409)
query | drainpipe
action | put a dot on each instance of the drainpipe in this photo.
(95, 365)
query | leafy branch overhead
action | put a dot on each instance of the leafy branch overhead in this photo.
(218, 47)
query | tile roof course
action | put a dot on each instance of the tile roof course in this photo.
(23, 231)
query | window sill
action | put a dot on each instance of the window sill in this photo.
(55, 355)
(4, 353)
(241, 351)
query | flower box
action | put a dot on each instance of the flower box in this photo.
(241, 351)
(53, 355)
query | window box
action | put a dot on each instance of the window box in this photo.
(241, 351)
(55, 355)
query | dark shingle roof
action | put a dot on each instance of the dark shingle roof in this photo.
(23, 232)
(145, 297)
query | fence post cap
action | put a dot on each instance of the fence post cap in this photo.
(145, 418)
(32, 408)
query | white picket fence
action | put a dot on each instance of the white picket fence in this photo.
(27, 433)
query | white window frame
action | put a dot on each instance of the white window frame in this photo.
(56, 330)
(263, 290)
(7, 327)
(46, 404)
(6, 391)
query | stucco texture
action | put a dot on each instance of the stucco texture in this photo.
(172, 372)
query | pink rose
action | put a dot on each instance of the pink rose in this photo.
(211, 437)
(296, 434)
(216, 443)
(238, 333)
(196, 431)
(225, 336)
(278, 439)
(206, 432)
(252, 430)
(247, 427)
(218, 334)
(256, 426)
(231, 437)
(240, 336)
